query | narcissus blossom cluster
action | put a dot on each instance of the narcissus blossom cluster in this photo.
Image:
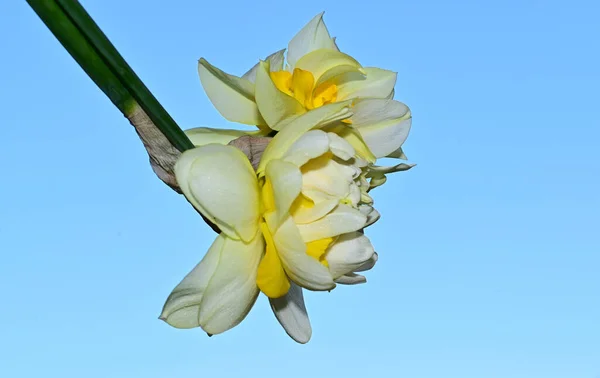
(296, 219)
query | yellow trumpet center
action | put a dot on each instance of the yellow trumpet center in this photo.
(301, 85)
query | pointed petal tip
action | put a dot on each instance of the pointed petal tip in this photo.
(302, 340)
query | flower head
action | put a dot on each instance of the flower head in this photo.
(315, 73)
(295, 219)
(293, 223)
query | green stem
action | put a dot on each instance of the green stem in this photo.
(92, 50)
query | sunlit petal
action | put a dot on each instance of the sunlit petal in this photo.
(276, 63)
(348, 253)
(317, 118)
(342, 220)
(220, 182)
(383, 124)
(311, 37)
(232, 289)
(300, 267)
(375, 83)
(326, 64)
(232, 96)
(182, 308)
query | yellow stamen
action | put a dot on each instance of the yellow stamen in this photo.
(301, 85)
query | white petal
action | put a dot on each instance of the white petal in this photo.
(342, 220)
(369, 264)
(348, 253)
(339, 147)
(383, 124)
(309, 146)
(312, 36)
(354, 196)
(336, 47)
(276, 62)
(377, 181)
(371, 213)
(231, 95)
(398, 154)
(220, 182)
(316, 118)
(376, 169)
(182, 308)
(300, 267)
(351, 279)
(274, 105)
(232, 290)
(286, 181)
(328, 64)
(291, 313)
(377, 83)
(200, 136)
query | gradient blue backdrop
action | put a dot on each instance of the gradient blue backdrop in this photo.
(489, 248)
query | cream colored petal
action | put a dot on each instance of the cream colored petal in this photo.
(273, 104)
(201, 136)
(376, 83)
(339, 147)
(318, 196)
(286, 181)
(355, 139)
(317, 118)
(291, 313)
(312, 144)
(351, 279)
(341, 220)
(383, 124)
(327, 64)
(300, 267)
(329, 177)
(318, 211)
(276, 63)
(231, 95)
(232, 289)
(182, 308)
(348, 253)
(220, 182)
(312, 36)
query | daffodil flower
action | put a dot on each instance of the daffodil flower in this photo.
(316, 73)
(295, 222)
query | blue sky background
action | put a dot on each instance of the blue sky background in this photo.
(489, 248)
